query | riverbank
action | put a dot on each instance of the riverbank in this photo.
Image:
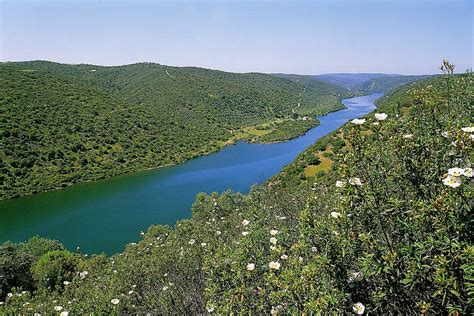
(273, 131)
(119, 207)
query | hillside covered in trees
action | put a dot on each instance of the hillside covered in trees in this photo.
(368, 82)
(384, 226)
(64, 124)
(350, 80)
(386, 83)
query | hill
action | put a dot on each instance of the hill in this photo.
(350, 80)
(386, 84)
(384, 228)
(64, 124)
(326, 90)
(368, 82)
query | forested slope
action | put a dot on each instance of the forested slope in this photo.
(63, 124)
(386, 84)
(384, 227)
(350, 80)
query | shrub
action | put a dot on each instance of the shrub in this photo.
(16, 261)
(53, 268)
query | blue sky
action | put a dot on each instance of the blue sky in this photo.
(306, 37)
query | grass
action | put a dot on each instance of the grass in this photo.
(324, 165)
(278, 128)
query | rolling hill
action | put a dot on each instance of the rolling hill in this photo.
(355, 82)
(350, 80)
(386, 84)
(64, 124)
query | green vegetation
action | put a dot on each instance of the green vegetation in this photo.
(326, 91)
(386, 84)
(385, 229)
(356, 82)
(278, 130)
(64, 124)
(350, 80)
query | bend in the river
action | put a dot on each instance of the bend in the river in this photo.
(103, 216)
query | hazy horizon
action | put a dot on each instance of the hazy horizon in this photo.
(300, 37)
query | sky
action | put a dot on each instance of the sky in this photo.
(304, 37)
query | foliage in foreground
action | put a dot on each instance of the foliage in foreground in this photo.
(388, 229)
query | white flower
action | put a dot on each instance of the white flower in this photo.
(340, 184)
(251, 266)
(355, 181)
(336, 214)
(467, 172)
(275, 310)
(191, 242)
(245, 222)
(83, 274)
(130, 292)
(66, 282)
(58, 308)
(445, 134)
(355, 276)
(274, 265)
(452, 181)
(65, 313)
(358, 308)
(10, 294)
(284, 257)
(455, 172)
(273, 240)
(300, 259)
(218, 232)
(245, 233)
(165, 288)
(314, 249)
(273, 248)
(469, 129)
(115, 301)
(407, 136)
(273, 232)
(380, 116)
(203, 244)
(358, 121)
(210, 309)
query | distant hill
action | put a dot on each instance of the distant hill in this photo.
(356, 82)
(351, 80)
(385, 84)
(326, 90)
(64, 124)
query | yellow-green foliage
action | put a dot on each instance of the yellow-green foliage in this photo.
(324, 164)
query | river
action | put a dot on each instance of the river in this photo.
(105, 215)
